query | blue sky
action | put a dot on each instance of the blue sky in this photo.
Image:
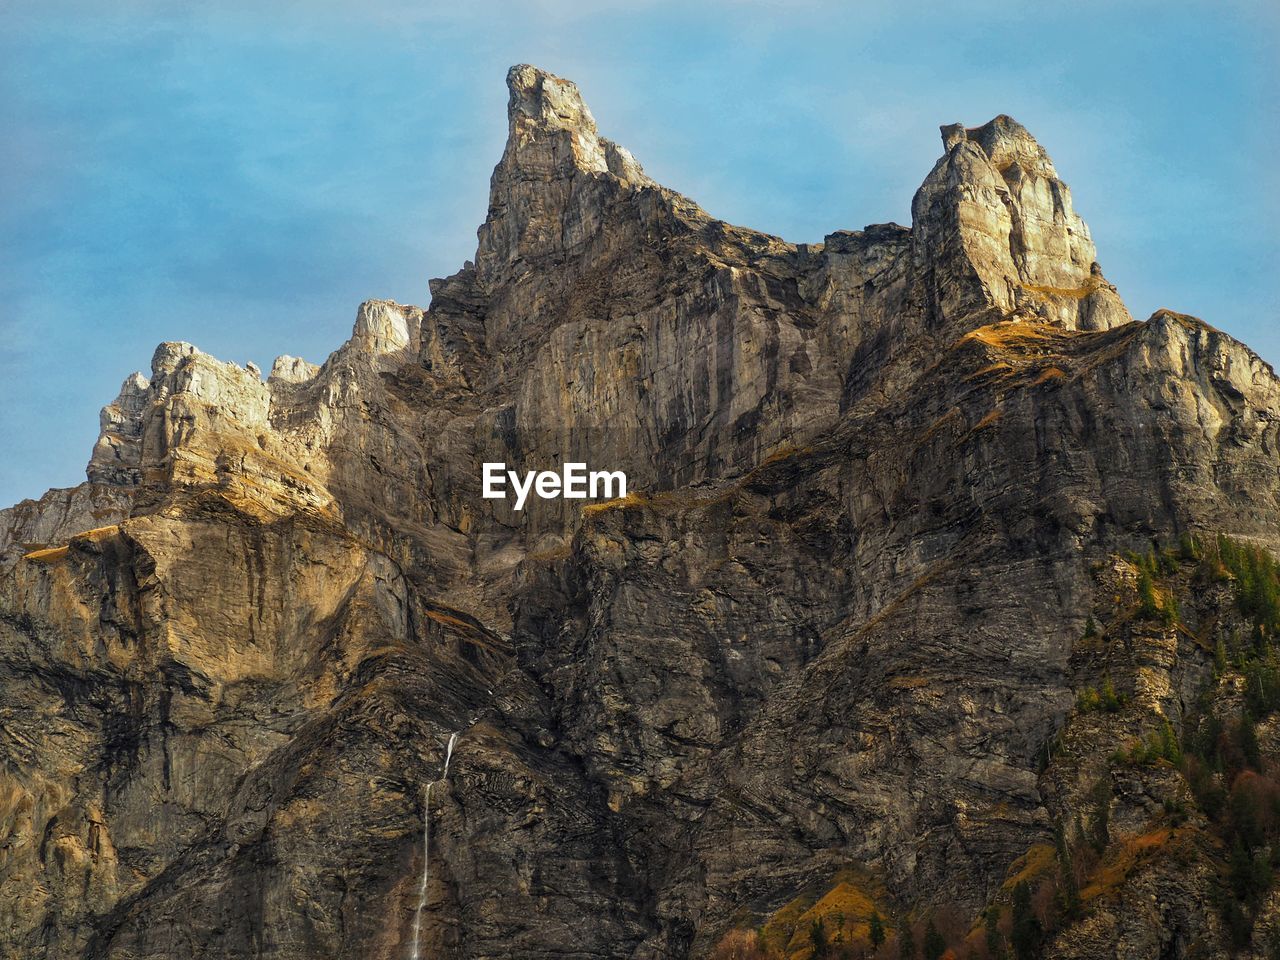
(241, 175)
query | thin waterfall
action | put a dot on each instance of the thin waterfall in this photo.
(448, 754)
(426, 873)
(426, 848)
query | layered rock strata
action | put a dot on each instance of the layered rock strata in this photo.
(834, 626)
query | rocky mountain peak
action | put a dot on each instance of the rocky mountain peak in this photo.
(997, 225)
(543, 107)
(548, 172)
(388, 331)
(1005, 142)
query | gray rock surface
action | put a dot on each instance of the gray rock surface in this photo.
(835, 625)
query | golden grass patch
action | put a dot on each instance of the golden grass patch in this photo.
(1010, 333)
(98, 534)
(1124, 859)
(48, 555)
(785, 452)
(1050, 374)
(1067, 293)
(844, 908)
(634, 499)
(990, 420)
(448, 620)
(1035, 863)
(991, 369)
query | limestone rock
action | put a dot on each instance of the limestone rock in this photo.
(994, 224)
(116, 455)
(879, 485)
(292, 369)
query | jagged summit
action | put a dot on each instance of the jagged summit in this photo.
(994, 210)
(543, 106)
(993, 229)
(1005, 141)
(555, 174)
(992, 223)
(541, 96)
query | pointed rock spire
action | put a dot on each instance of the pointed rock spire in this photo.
(550, 128)
(546, 110)
(995, 226)
(543, 196)
(117, 456)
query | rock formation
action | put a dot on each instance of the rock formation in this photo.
(903, 504)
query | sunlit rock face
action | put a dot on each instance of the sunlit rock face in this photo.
(878, 487)
(995, 225)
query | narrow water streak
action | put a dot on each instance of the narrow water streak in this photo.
(448, 754)
(426, 872)
(426, 849)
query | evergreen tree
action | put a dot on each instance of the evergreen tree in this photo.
(1257, 577)
(1240, 873)
(1170, 749)
(1262, 687)
(1249, 741)
(1238, 923)
(1069, 891)
(906, 941)
(818, 936)
(1260, 868)
(875, 930)
(1102, 814)
(1246, 818)
(1107, 697)
(995, 941)
(1208, 739)
(1026, 932)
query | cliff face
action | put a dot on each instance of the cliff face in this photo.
(882, 487)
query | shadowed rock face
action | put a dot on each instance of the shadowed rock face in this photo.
(877, 480)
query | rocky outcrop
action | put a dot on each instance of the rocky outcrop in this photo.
(995, 225)
(879, 487)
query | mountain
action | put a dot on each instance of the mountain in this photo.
(940, 605)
